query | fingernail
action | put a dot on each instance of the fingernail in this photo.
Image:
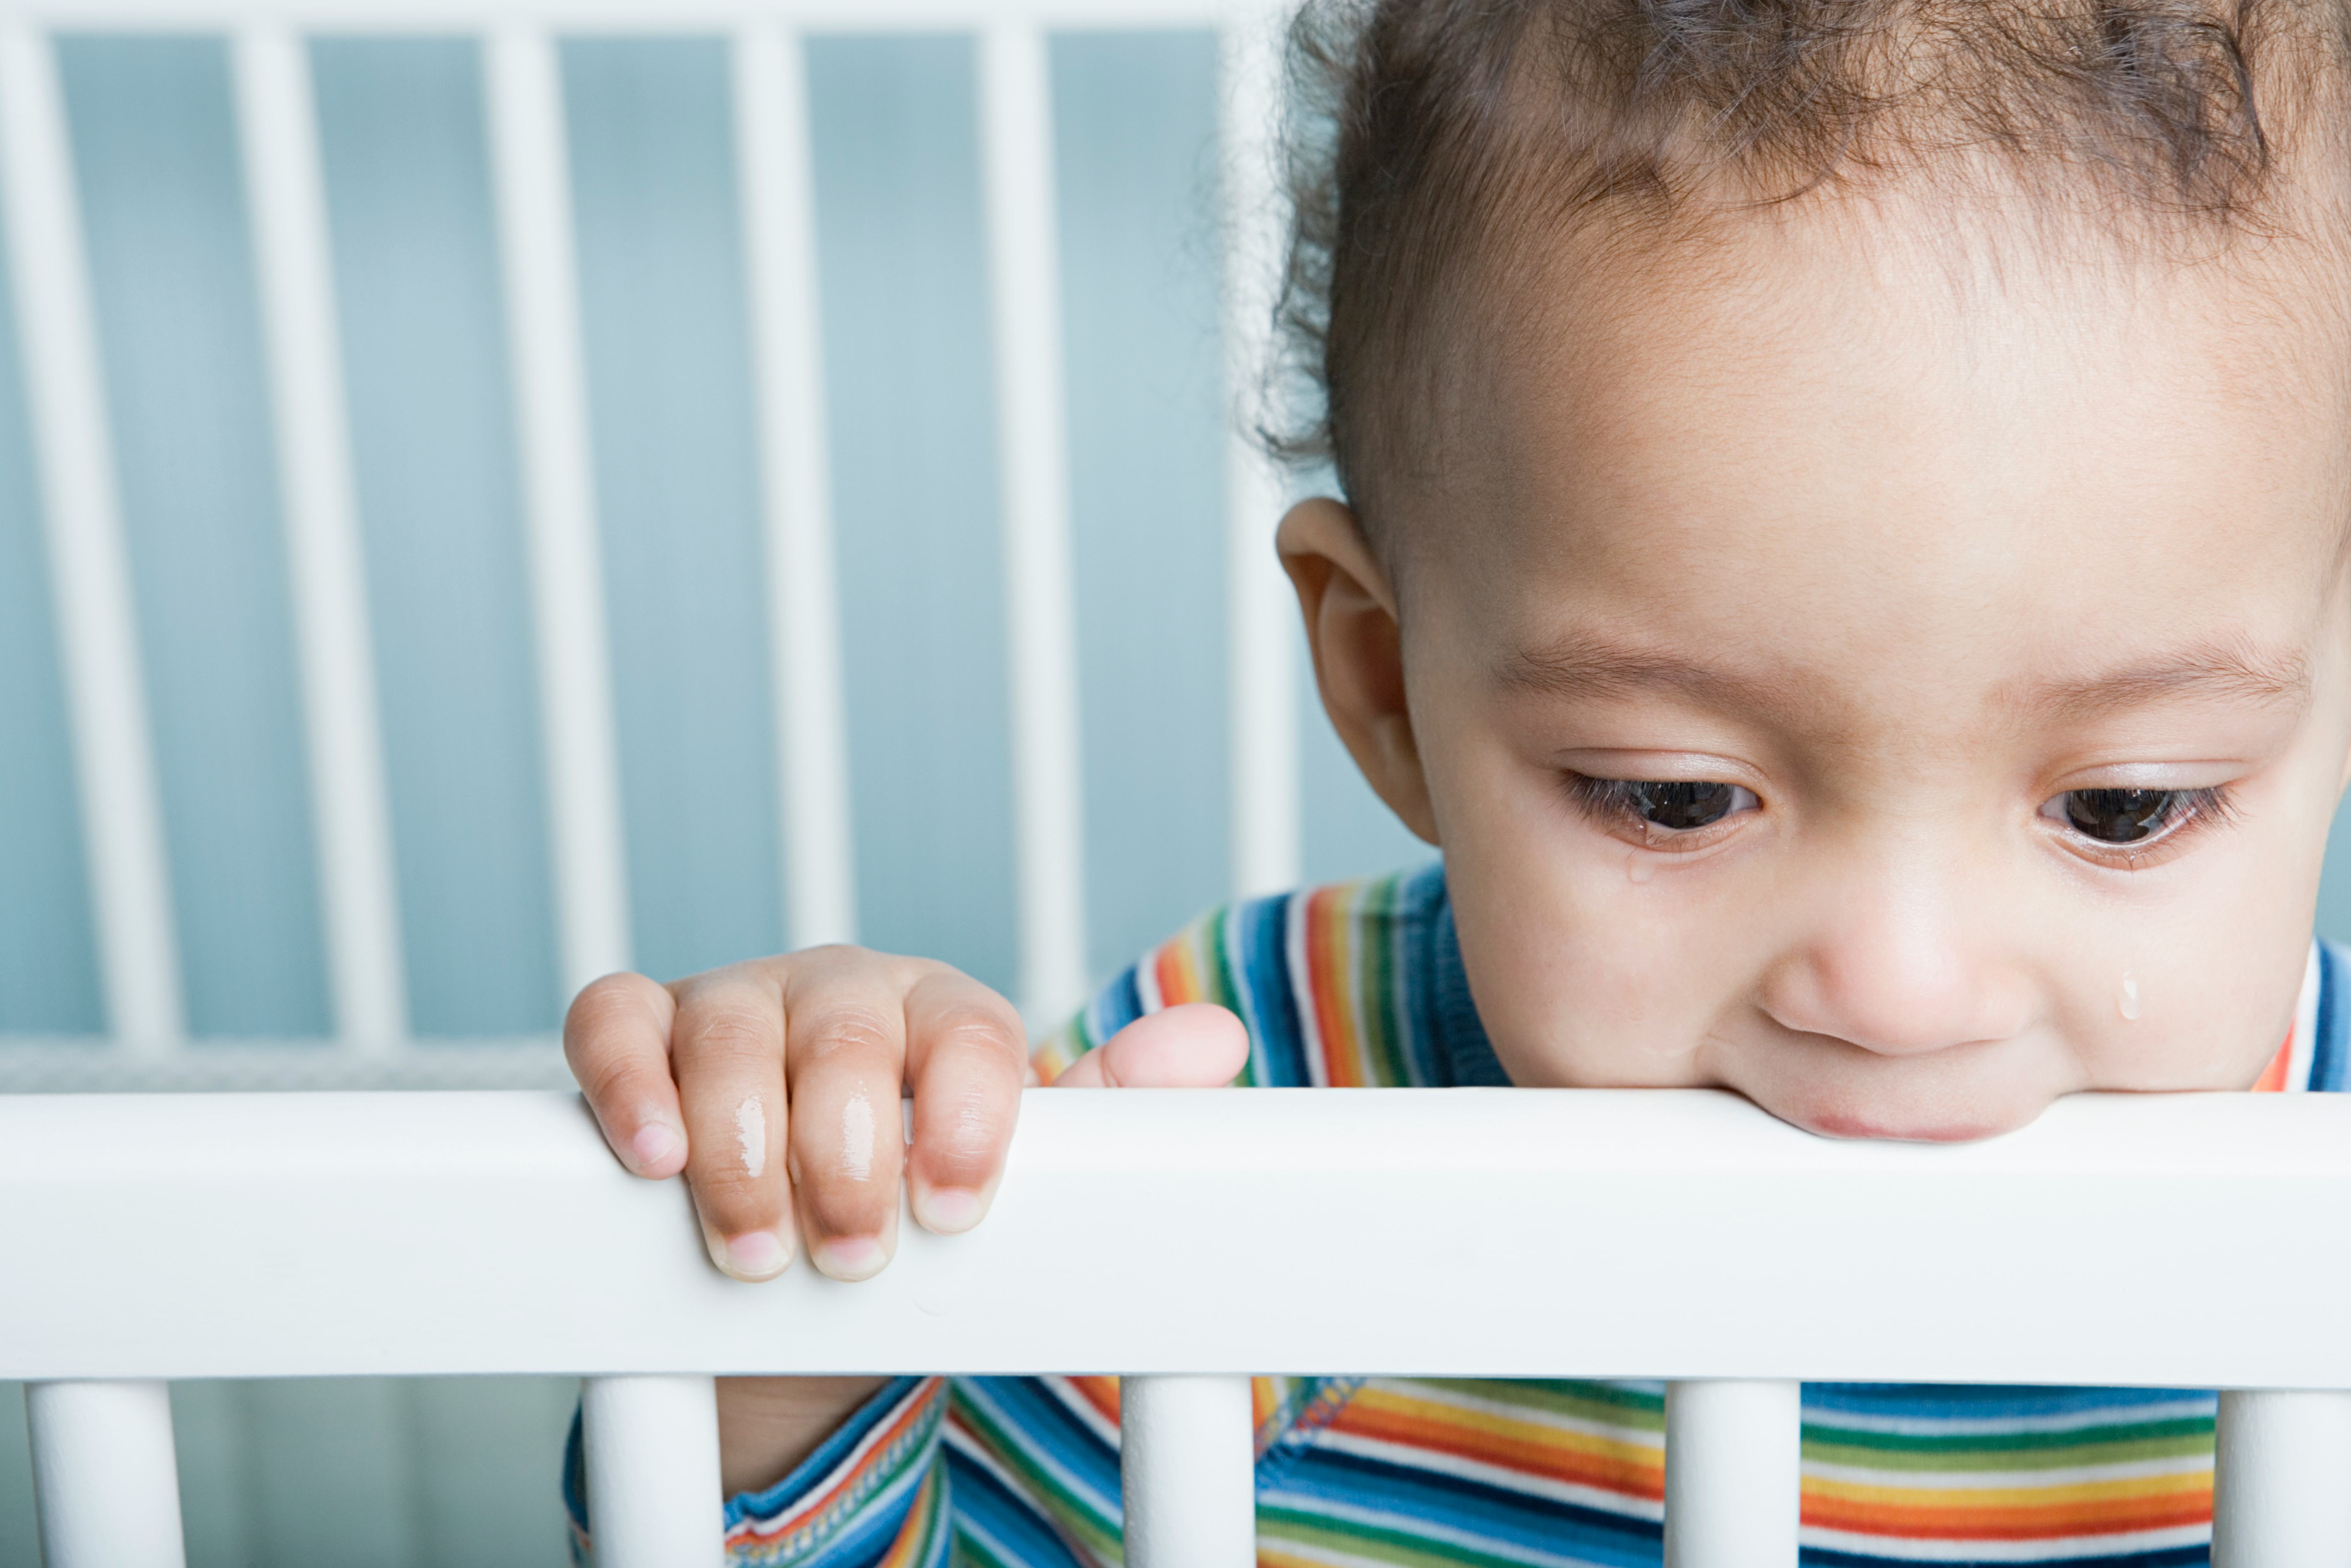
(655, 1143)
(756, 1254)
(852, 1257)
(947, 1209)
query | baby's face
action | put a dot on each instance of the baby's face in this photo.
(1901, 701)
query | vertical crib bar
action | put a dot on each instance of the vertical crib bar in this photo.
(651, 1452)
(2282, 1488)
(287, 193)
(1024, 276)
(542, 300)
(803, 591)
(89, 570)
(1188, 1472)
(105, 1482)
(1263, 679)
(1732, 1452)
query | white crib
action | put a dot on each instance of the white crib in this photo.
(2191, 1240)
(139, 950)
(160, 1238)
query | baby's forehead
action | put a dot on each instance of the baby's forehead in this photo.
(1840, 429)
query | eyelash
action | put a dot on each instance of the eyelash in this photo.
(2199, 811)
(1609, 801)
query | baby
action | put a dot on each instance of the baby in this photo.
(1844, 548)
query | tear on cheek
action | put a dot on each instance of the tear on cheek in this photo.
(2127, 1000)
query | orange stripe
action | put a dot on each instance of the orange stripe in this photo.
(2272, 1077)
(1102, 1393)
(1171, 971)
(1326, 952)
(1626, 1468)
(2115, 1516)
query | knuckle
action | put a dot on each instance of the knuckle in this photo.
(852, 1029)
(726, 1028)
(605, 1005)
(976, 1027)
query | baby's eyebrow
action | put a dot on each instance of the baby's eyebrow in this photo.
(1586, 667)
(2225, 673)
(1582, 666)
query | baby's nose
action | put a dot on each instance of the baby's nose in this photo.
(1898, 983)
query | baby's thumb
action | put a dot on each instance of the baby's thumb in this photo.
(1197, 1045)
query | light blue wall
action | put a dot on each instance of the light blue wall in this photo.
(908, 373)
(154, 138)
(424, 328)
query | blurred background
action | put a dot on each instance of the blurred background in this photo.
(452, 1472)
(460, 1472)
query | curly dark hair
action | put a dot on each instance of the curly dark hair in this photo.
(1426, 134)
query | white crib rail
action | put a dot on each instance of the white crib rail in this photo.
(129, 872)
(2181, 1241)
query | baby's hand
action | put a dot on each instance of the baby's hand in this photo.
(774, 1086)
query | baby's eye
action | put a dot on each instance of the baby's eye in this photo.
(1678, 805)
(2122, 816)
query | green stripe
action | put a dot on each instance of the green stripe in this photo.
(2019, 1459)
(1276, 1524)
(1375, 936)
(1597, 1402)
(2183, 1434)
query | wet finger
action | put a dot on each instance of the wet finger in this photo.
(728, 1049)
(844, 1065)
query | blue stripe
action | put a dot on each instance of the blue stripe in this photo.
(2326, 1052)
(1970, 1402)
(2168, 1557)
(1498, 1514)
(982, 1505)
(1119, 1004)
(1039, 1420)
(1277, 1048)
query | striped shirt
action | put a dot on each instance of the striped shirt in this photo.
(1362, 985)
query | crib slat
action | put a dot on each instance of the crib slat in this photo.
(121, 813)
(651, 1450)
(542, 302)
(1732, 1449)
(1188, 1472)
(104, 1476)
(771, 133)
(288, 191)
(1031, 410)
(2282, 1490)
(1263, 677)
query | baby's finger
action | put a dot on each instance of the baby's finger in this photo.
(1194, 1045)
(966, 1053)
(728, 1046)
(616, 1040)
(844, 1063)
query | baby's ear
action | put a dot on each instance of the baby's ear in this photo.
(1350, 610)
